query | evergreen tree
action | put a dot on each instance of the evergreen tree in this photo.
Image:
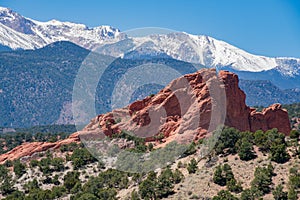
(262, 181)
(260, 139)
(246, 151)
(227, 140)
(192, 166)
(19, 168)
(270, 169)
(292, 194)
(224, 195)
(248, 194)
(87, 196)
(7, 186)
(134, 195)
(278, 153)
(109, 194)
(177, 176)
(279, 194)
(228, 172)
(70, 180)
(147, 188)
(3, 172)
(294, 134)
(233, 186)
(218, 176)
(165, 183)
(31, 185)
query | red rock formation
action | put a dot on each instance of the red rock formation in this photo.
(186, 105)
(240, 116)
(237, 114)
(27, 149)
(187, 109)
(271, 117)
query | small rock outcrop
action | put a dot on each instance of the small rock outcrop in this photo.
(189, 108)
(28, 149)
(271, 117)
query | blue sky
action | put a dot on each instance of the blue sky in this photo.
(265, 27)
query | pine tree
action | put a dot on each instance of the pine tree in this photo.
(278, 153)
(218, 176)
(279, 194)
(246, 151)
(292, 194)
(224, 195)
(248, 194)
(192, 166)
(262, 181)
(7, 186)
(228, 172)
(19, 168)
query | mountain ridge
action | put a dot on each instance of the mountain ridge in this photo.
(25, 33)
(21, 32)
(53, 69)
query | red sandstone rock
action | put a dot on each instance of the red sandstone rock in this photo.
(271, 117)
(27, 149)
(187, 109)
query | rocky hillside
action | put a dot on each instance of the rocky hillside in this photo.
(242, 165)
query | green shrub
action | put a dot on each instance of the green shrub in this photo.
(279, 194)
(246, 151)
(218, 177)
(262, 181)
(224, 195)
(279, 154)
(19, 168)
(192, 166)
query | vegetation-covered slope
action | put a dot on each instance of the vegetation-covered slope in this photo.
(242, 165)
(265, 93)
(36, 85)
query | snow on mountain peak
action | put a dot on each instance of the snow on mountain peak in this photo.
(18, 32)
(24, 33)
(7, 14)
(200, 49)
(3, 9)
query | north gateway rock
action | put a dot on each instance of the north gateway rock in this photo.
(189, 96)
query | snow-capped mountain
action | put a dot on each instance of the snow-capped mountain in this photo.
(18, 32)
(201, 49)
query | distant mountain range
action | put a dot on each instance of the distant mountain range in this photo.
(264, 93)
(36, 85)
(18, 32)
